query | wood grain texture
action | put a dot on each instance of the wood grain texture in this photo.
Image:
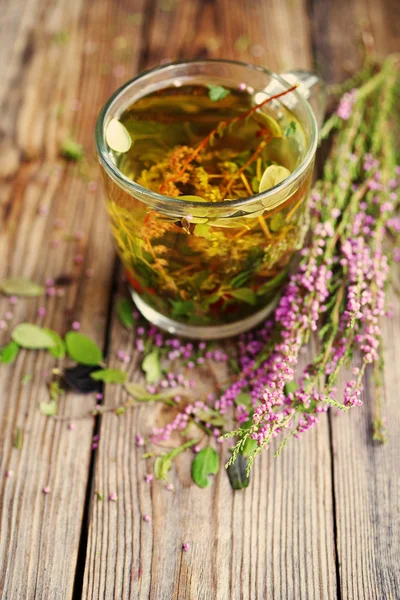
(40, 533)
(276, 539)
(366, 480)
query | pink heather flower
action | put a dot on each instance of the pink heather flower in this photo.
(396, 254)
(9, 473)
(146, 518)
(59, 223)
(139, 440)
(346, 105)
(99, 396)
(43, 210)
(196, 449)
(41, 311)
(169, 487)
(51, 291)
(242, 86)
(92, 186)
(60, 293)
(119, 71)
(71, 426)
(113, 497)
(46, 490)
(78, 260)
(9, 315)
(75, 325)
(49, 281)
(149, 478)
(185, 547)
(13, 300)
(3, 325)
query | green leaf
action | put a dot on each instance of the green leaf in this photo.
(140, 393)
(211, 416)
(19, 438)
(290, 387)
(125, 312)
(277, 222)
(205, 463)
(49, 409)
(9, 353)
(249, 446)
(290, 129)
(245, 295)
(181, 308)
(242, 43)
(26, 378)
(18, 286)
(162, 465)
(152, 367)
(244, 398)
(72, 150)
(110, 375)
(82, 349)
(28, 335)
(117, 136)
(203, 231)
(58, 350)
(217, 92)
(237, 473)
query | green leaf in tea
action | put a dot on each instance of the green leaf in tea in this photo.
(117, 136)
(48, 409)
(290, 129)
(245, 295)
(217, 92)
(82, 349)
(18, 286)
(33, 337)
(273, 175)
(125, 312)
(110, 375)
(205, 463)
(152, 367)
(9, 353)
(72, 150)
(58, 350)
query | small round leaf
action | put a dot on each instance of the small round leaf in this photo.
(82, 349)
(117, 136)
(33, 337)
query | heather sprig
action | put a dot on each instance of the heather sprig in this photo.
(339, 286)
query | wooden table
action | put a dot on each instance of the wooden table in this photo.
(320, 522)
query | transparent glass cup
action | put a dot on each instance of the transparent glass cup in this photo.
(246, 243)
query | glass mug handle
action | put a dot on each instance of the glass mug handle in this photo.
(312, 88)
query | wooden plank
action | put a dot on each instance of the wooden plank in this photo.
(40, 533)
(275, 540)
(366, 482)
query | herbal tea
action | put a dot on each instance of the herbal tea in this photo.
(216, 264)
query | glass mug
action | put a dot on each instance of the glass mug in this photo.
(210, 270)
